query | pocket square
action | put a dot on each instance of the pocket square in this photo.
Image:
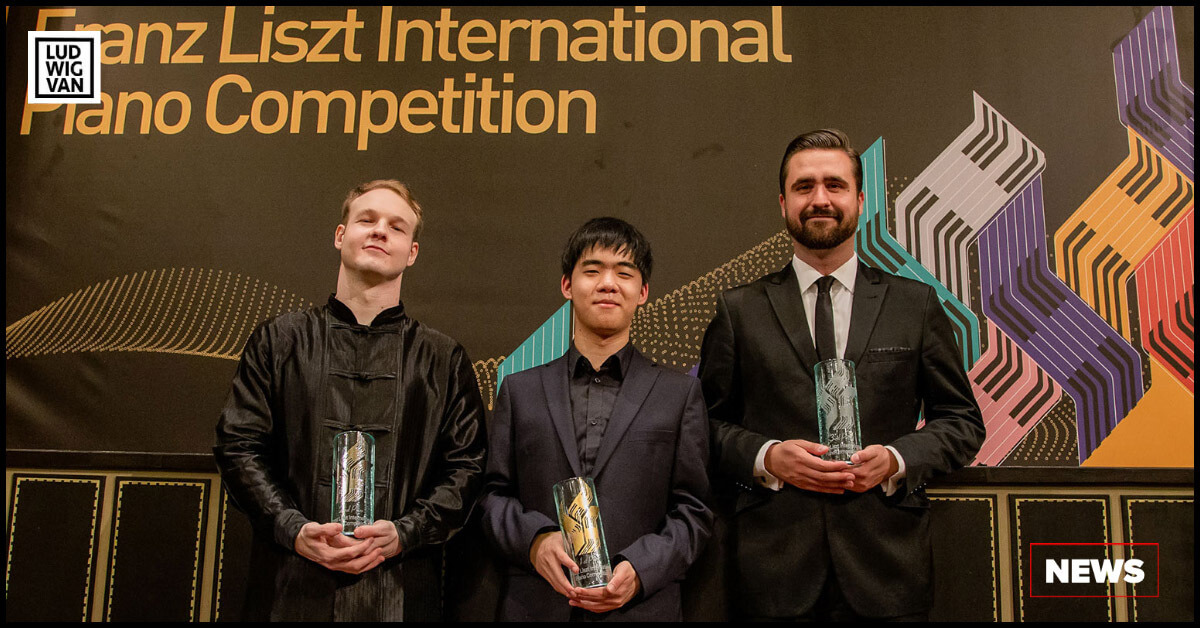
(889, 350)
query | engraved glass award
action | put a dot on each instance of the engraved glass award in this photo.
(353, 480)
(837, 409)
(583, 534)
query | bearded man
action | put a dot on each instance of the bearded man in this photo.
(816, 539)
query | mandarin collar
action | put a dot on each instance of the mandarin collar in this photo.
(343, 313)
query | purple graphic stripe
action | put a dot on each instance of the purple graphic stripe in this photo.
(1093, 363)
(1152, 99)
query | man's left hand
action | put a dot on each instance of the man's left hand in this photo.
(871, 467)
(384, 533)
(623, 586)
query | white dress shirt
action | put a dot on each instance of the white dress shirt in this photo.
(842, 295)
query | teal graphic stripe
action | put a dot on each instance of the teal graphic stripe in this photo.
(545, 344)
(878, 248)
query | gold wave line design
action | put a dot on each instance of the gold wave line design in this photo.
(210, 313)
(187, 311)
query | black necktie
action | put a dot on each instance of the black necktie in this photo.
(826, 344)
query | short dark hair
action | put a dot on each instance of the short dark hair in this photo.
(609, 233)
(823, 138)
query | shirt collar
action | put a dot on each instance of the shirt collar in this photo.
(618, 362)
(343, 313)
(844, 274)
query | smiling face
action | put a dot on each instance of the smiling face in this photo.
(819, 203)
(605, 289)
(376, 241)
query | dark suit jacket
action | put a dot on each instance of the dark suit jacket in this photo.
(650, 477)
(757, 370)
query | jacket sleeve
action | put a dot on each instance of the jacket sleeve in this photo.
(245, 450)
(734, 448)
(953, 430)
(665, 556)
(459, 459)
(508, 525)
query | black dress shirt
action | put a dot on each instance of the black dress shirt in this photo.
(593, 395)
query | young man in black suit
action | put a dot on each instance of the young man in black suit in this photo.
(812, 538)
(606, 412)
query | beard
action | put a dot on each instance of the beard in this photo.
(818, 236)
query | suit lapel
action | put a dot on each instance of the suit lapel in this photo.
(784, 294)
(556, 381)
(639, 380)
(868, 298)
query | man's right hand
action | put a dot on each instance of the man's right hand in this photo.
(549, 558)
(327, 546)
(799, 463)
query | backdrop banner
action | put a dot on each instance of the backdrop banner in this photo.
(1035, 165)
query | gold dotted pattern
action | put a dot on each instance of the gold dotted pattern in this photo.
(1129, 518)
(1053, 441)
(112, 561)
(188, 311)
(1021, 546)
(670, 329)
(485, 375)
(91, 537)
(897, 186)
(991, 502)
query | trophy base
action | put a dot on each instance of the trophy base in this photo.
(348, 527)
(592, 579)
(592, 583)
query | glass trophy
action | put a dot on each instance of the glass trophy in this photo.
(582, 532)
(837, 409)
(353, 502)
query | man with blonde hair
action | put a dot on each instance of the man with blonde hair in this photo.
(360, 363)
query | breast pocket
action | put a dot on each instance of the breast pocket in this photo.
(888, 354)
(651, 436)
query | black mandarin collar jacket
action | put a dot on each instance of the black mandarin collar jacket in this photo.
(304, 377)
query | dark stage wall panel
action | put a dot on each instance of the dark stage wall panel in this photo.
(157, 549)
(53, 528)
(1169, 522)
(967, 567)
(155, 538)
(1058, 519)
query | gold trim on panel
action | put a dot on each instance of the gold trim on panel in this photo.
(117, 533)
(104, 546)
(1021, 546)
(91, 537)
(216, 604)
